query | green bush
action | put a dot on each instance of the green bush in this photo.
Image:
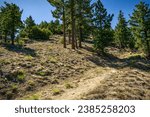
(20, 75)
(21, 42)
(46, 32)
(39, 34)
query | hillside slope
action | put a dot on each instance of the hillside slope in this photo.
(45, 70)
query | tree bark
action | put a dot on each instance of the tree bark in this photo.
(69, 36)
(76, 41)
(5, 37)
(148, 47)
(13, 34)
(80, 29)
(73, 23)
(81, 37)
(147, 44)
(12, 39)
(64, 25)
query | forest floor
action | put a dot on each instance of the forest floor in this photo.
(45, 70)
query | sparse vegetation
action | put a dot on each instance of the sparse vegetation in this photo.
(28, 58)
(14, 88)
(20, 74)
(52, 59)
(33, 97)
(56, 91)
(9, 95)
(31, 83)
(5, 61)
(128, 86)
(95, 62)
(68, 86)
(41, 73)
(68, 64)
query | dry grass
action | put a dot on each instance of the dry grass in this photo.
(125, 85)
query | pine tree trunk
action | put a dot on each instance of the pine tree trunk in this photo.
(69, 36)
(13, 34)
(5, 37)
(80, 30)
(13, 30)
(147, 44)
(73, 24)
(148, 48)
(81, 37)
(12, 39)
(64, 26)
(76, 41)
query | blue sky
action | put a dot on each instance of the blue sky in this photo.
(40, 10)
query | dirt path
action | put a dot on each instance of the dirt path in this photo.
(82, 85)
(88, 83)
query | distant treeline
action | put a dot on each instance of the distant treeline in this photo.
(81, 19)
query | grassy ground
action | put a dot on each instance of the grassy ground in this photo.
(45, 70)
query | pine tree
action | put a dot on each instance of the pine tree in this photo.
(102, 26)
(11, 20)
(121, 32)
(44, 24)
(60, 12)
(73, 22)
(140, 25)
(0, 25)
(83, 16)
(55, 27)
(29, 24)
(4, 22)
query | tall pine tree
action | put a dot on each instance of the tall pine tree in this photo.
(102, 27)
(60, 12)
(10, 20)
(83, 16)
(121, 32)
(140, 25)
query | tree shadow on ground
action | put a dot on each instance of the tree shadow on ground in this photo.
(20, 49)
(109, 60)
(88, 48)
(89, 41)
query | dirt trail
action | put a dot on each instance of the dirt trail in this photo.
(83, 84)
(88, 83)
(103, 83)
